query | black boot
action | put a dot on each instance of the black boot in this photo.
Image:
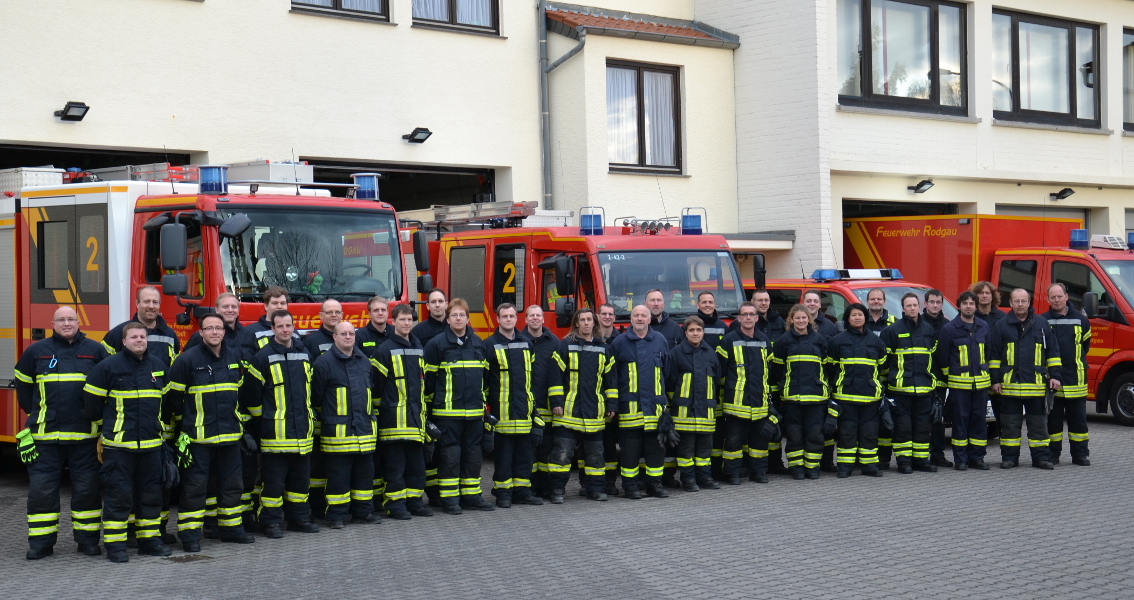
(689, 485)
(845, 471)
(797, 473)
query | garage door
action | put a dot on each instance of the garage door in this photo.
(1015, 210)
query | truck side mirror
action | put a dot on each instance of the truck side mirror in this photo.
(1091, 305)
(421, 253)
(174, 247)
(564, 309)
(759, 273)
(564, 276)
(175, 284)
(424, 283)
(234, 226)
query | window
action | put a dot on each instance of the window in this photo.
(1016, 274)
(783, 300)
(54, 255)
(643, 117)
(373, 8)
(833, 305)
(915, 58)
(509, 276)
(466, 276)
(1044, 70)
(1078, 279)
(92, 264)
(1128, 81)
(462, 14)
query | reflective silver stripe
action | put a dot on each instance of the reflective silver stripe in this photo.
(574, 348)
(512, 346)
(160, 338)
(408, 352)
(715, 330)
(276, 358)
(298, 356)
(1064, 322)
(325, 347)
(265, 333)
(753, 344)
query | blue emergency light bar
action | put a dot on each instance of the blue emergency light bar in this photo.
(213, 179)
(1080, 239)
(367, 185)
(822, 275)
(691, 225)
(591, 219)
(1130, 240)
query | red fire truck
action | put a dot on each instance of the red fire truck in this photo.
(93, 245)
(950, 252)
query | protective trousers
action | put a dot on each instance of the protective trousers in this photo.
(937, 435)
(224, 460)
(458, 457)
(286, 488)
(858, 435)
(1074, 412)
(380, 476)
(717, 456)
(885, 444)
(43, 493)
(803, 430)
(642, 458)
(775, 444)
(317, 496)
(742, 436)
(1012, 415)
(404, 474)
(912, 428)
(133, 485)
(610, 453)
(970, 429)
(250, 496)
(563, 448)
(350, 484)
(541, 475)
(694, 451)
(512, 456)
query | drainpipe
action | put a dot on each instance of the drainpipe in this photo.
(545, 115)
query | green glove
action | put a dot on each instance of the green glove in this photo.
(26, 445)
(184, 458)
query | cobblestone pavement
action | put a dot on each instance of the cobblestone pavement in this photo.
(1024, 533)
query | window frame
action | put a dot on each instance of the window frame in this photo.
(67, 254)
(1126, 125)
(476, 302)
(452, 23)
(641, 166)
(1044, 117)
(933, 103)
(338, 9)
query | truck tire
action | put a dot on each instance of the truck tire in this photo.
(1122, 399)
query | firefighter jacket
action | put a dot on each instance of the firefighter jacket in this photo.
(277, 393)
(429, 329)
(1073, 331)
(771, 325)
(1021, 353)
(369, 339)
(49, 387)
(854, 366)
(715, 329)
(640, 364)
(692, 385)
(509, 382)
(400, 385)
(938, 323)
(543, 347)
(454, 375)
(992, 317)
(910, 346)
(962, 354)
(583, 383)
(255, 336)
(744, 366)
(876, 326)
(341, 387)
(319, 341)
(204, 390)
(125, 393)
(668, 328)
(231, 336)
(797, 364)
(163, 342)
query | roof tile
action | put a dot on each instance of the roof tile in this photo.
(575, 19)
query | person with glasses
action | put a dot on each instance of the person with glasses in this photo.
(321, 340)
(49, 379)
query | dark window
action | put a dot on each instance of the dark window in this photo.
(1016, 274)
(1079, 279)
(54, 255)
(643, 117)
(833, 304)
(371, 8)
(1044, 70)
(783, 300)
(1128, 80)
(476, 15)
(915, 59)
(509, 276)
(466, 276)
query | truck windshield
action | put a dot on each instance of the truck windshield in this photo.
(894, 300)
(1121, 273)
(627, 276)
(314, 255)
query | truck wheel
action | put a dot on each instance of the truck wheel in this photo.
(1122, 399)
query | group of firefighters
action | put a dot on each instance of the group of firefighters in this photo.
(256, 428)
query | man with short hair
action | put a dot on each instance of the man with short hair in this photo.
(961, 350)
(1073, 330)
(910, 344)
(934, 315)
(319, 341)
(49, 380)
(771, 324)
(256, 336)
(124, 393)
(605, 329)
(607, 313)
(375, 333)
(744, 357)
(228, 307)
(879, 318)
(435, 323)
(163, 342)
(640, 357)
(278, 396)
(660, 321)
(1024, 362)
(544, 344)
(341, 381)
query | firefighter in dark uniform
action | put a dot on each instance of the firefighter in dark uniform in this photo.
(663, 323)
(797, 364)
(962, 350)
(400, 385)
(876, 320)
(744, 355)
(855, 359)
(988, 299)
(510, 400)
(256, 336)
(544, 344)
(812, 301)
(49, 381)
(435, 322)
(319, 341)
(369, 339)
(1023, 360)
(583, 395)
(772, 325)
(341, 382)
(125, 392)
(606, 331)
(277, 394)
(455, 363)
(692, 385)
(910, 381)
(640, 356)
(228, 307)
(715, 329)
(935, 316)
(204, 395)
(1073, 330)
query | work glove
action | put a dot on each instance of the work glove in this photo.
(427, 451)
(770, 430)
(181, 451)
(488, 442)
(26, 445)
(885, 415)
(248, 444)
(170, 475)
(667, 433)
(1048, 400)
(937, 411)
(536, 436)
(432, 432)
(832, 420)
